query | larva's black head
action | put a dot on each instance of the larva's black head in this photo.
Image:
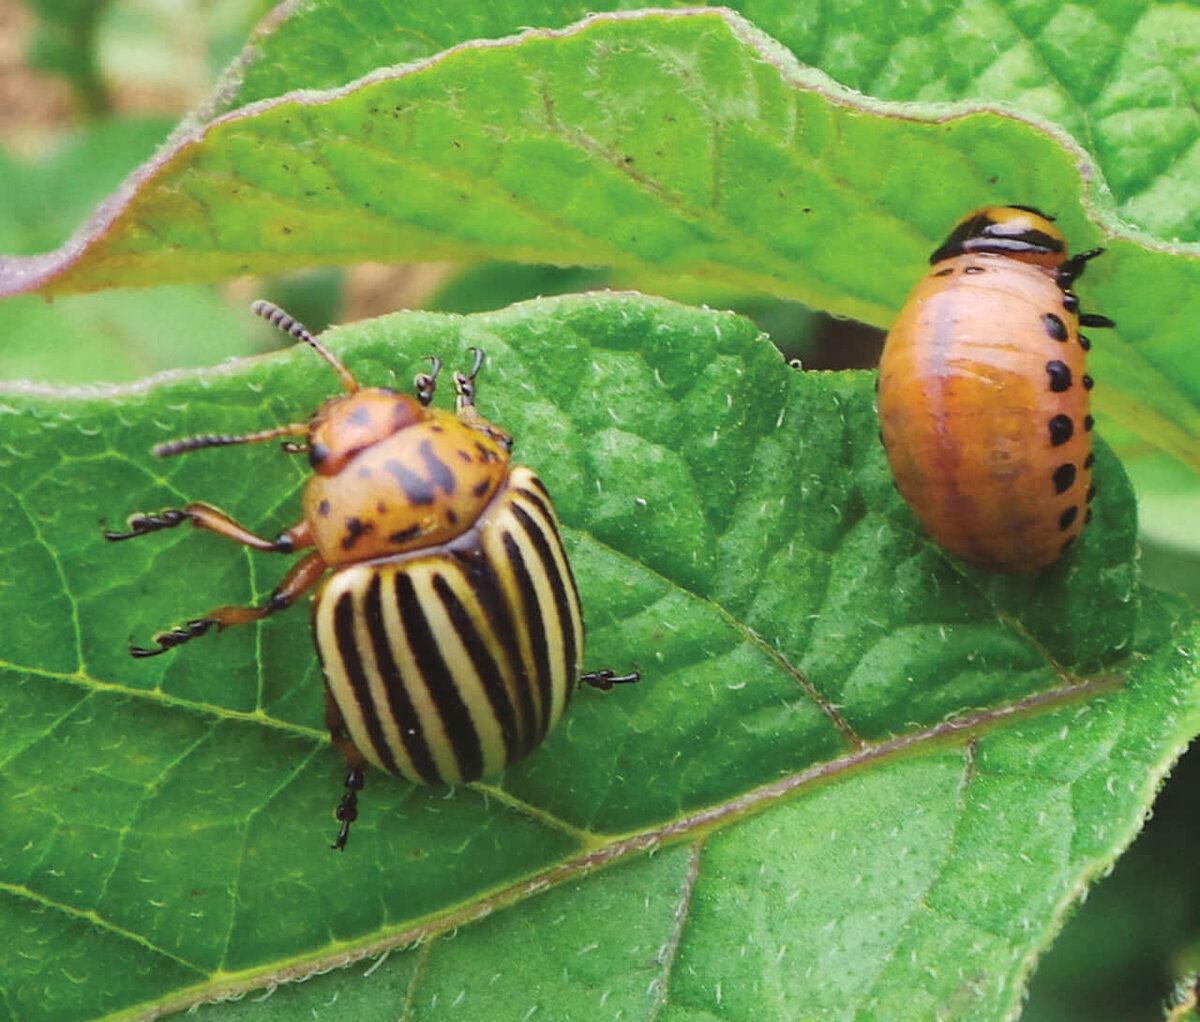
(1020, 232)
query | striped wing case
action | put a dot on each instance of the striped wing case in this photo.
(451, 662)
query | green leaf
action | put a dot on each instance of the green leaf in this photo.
(856, 779)
(687, 143)
(1118, 77)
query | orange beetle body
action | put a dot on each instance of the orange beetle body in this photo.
(450, 632)
(984, 394)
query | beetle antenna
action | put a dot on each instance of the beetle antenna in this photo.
(198, 443)
(274, 315)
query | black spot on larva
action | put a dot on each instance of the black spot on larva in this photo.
(1091, 493)
(317, 453)
(1055, 327)
(404, 535)
(1089, 461)
(1061, 429)
(1084, 343)
(1067, 518)
(463, 455)
(1060, 376)
(1087, 381)
(973, 269)
(1069, 541)
(945, 273)
(381, 507)
(451, 516)
(1064, 477)
(323, 509)
(359, 417)
(1070, 301)
(1088, 517)
(485, 454)
(481, 487)
(356, 528)
(1088, 422)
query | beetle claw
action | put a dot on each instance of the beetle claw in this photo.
(175, 637)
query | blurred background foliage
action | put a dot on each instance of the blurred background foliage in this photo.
(90, 88)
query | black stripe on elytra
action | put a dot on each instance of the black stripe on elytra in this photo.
(400, 704)
(538, 535)
(543, 507)
(492, 600)
(535, 623)
(439, 680)
(490, 674)
(440, 475)
(343, 631)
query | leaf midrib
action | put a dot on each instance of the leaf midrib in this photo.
(608, 850)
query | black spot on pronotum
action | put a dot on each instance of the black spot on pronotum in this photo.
(481, 487)
(1054, 326)
(1061, 429)
(317, 454)
(416, 489)
(1088, 422)
(1064, 477)
(356, 528)
(1089, 461)
(440, 474)
(359, 417)
(1067, 518)
(1060, 376)
(404, 535)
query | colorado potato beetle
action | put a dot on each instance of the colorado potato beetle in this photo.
(450, 631)
(984, 393)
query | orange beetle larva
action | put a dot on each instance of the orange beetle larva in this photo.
(984, 393)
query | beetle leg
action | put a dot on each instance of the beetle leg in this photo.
(605, 680)
(202, 516)
(347, 810)
(426, 383)
(303, 575)
(464, 404)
